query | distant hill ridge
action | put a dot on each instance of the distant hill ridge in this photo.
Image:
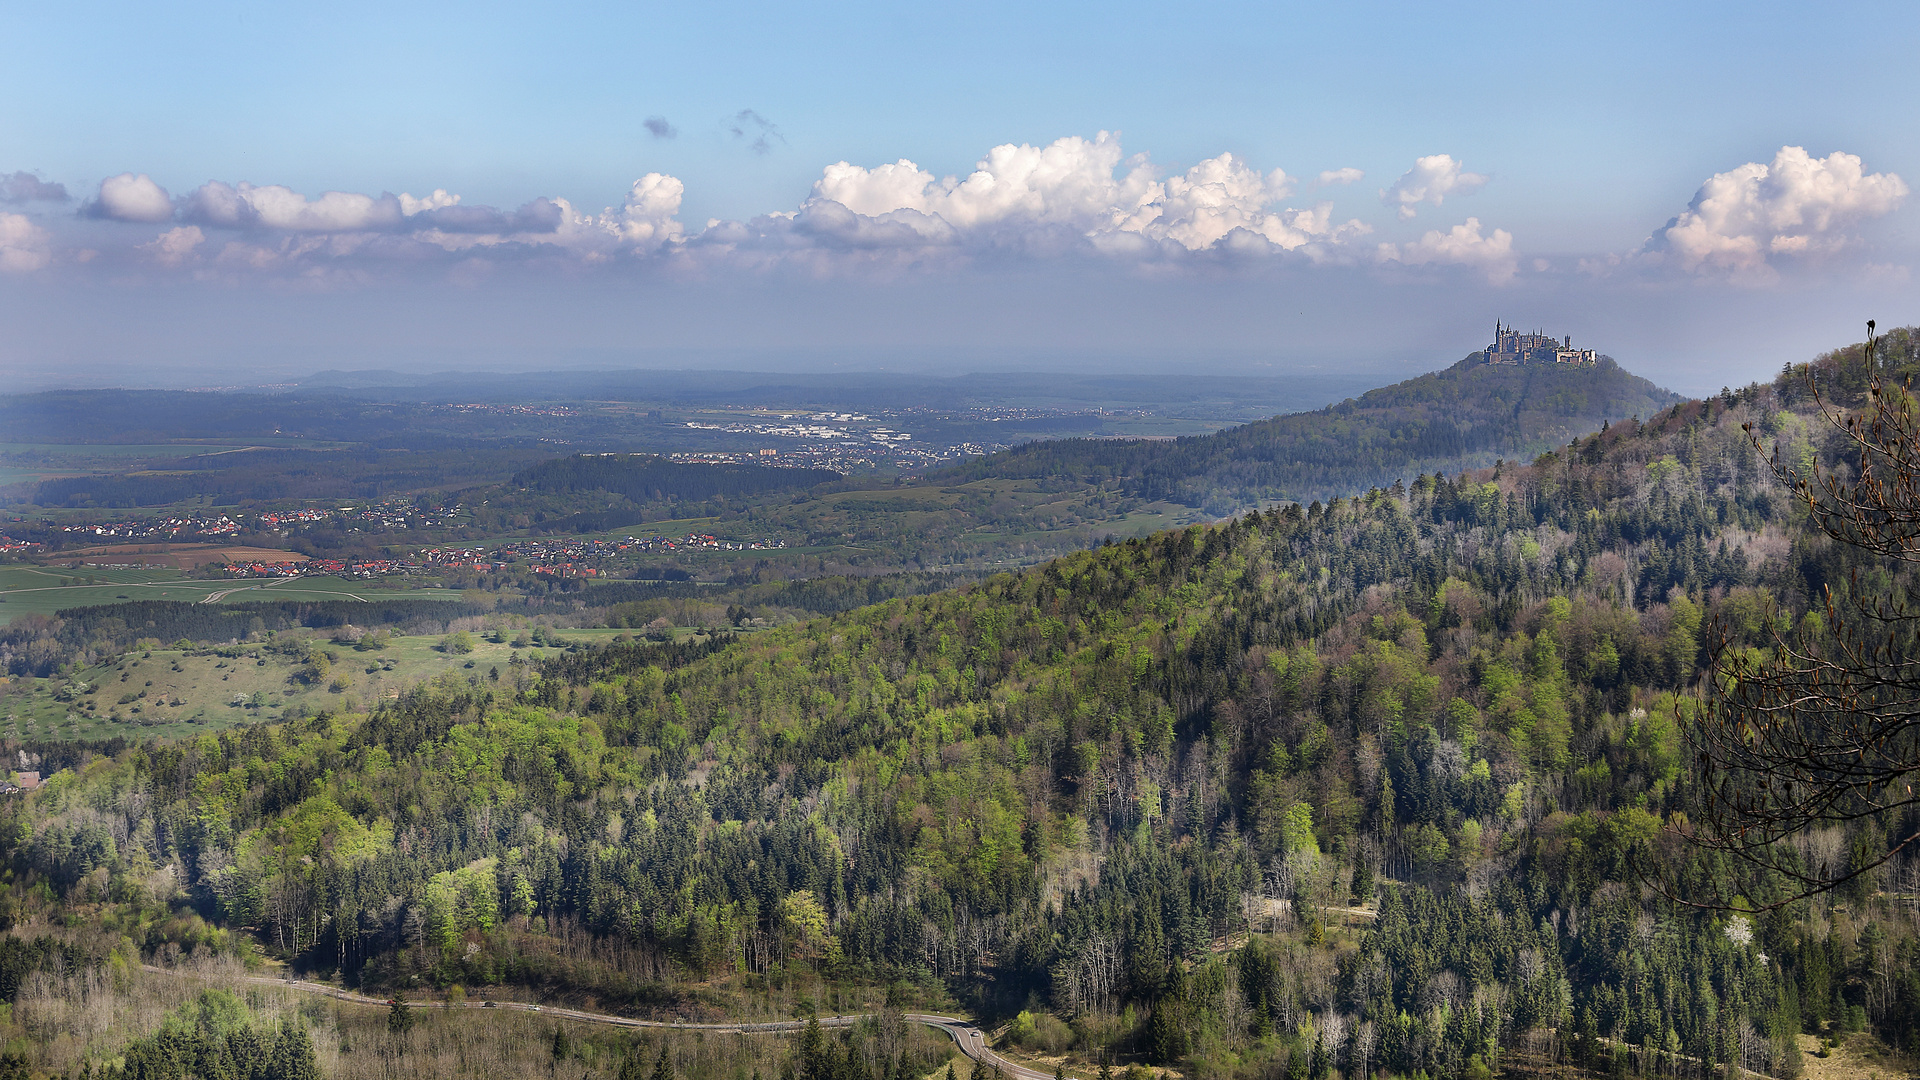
(1467, 415)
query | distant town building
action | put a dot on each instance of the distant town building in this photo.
(1510, 346)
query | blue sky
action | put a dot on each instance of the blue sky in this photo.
(658, 185)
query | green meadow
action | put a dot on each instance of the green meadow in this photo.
(46, 589)
(169, 692)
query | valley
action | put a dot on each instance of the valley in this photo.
(1394, 782)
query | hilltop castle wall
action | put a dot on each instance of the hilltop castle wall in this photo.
(1511, 346)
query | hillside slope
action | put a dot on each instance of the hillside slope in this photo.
(1464, 416)
(1045, 498)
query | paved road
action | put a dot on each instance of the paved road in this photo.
(973, 1043)
(970, 1039)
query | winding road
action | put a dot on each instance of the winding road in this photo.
(969, 1038)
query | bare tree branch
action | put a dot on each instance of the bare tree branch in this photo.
(1822, 730)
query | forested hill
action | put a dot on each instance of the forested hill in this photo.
(1127, 800)
(1465, 416)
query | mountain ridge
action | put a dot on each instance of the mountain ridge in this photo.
(1386, 434)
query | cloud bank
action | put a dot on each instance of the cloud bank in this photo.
(1462, 245)
(1086, 188)
(1075, 197)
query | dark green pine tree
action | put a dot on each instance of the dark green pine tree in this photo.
(662, 1065)
(1299, 1059)
(813, 1052)
(399, 1015)
(293, 1053)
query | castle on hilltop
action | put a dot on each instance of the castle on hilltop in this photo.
(1510, 346)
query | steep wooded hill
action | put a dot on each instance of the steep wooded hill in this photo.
(1464, 416)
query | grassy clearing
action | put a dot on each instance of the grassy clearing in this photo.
(1854, 1057)
(167, 692)
(47, 589)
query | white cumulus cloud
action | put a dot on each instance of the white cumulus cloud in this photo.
(131, 197)
(1797, 205)
(1462, 245)
(1212, 199)
(1431, 180)
(275, 206)
(175, 246)
(1069, 182)
(439, 200)
(24, 246)
(647, 220)
(1086, 186)
(440, 218)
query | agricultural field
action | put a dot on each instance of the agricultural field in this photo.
(179, 556)
(44, 590)
(170, 692)
(105, 455)
(25, 474)
(29, 463)
(113, 451)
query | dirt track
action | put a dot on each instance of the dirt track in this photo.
(970, 1039)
